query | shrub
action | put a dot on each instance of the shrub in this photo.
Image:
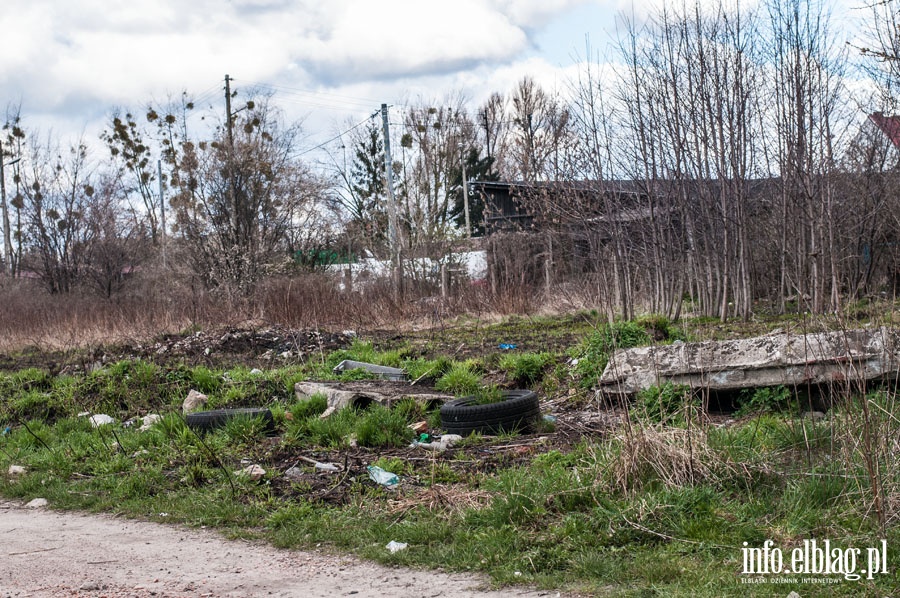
(775, 399)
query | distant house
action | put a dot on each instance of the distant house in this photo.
(889, 125)
(511, 206)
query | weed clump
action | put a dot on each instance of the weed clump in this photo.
(460, 379)
(382, 427)
(669, 403)
(525, 369)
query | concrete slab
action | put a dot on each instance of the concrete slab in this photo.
(851, 356)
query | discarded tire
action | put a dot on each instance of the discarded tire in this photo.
(216, 418)
(516, 412)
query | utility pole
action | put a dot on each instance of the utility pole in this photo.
(162, 209)
(7, 251)
(228, 122)
(393, 228)
(487, 134)
(465, 186)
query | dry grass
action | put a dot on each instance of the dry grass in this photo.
(155, 304)
(676, 457)
(446, 500)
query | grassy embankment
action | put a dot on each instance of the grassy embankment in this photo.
(659, 502)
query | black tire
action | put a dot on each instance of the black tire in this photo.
(516, 412)
(216, 418)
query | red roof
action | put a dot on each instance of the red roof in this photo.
(889, 125)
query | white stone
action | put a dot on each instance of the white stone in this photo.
(148, 420)
(101, 419)
(194, 400)
(37, 503)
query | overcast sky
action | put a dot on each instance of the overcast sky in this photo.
(70, 63)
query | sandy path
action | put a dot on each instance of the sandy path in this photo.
(49, 554)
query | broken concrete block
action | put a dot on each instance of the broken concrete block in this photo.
(844, 357)
(194, 400)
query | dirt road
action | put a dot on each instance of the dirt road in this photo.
(50, 554)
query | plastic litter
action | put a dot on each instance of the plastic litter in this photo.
(380, 476)
(326, 467)
(396, 546)
(6, 431)
(550, 419)
(506, 346)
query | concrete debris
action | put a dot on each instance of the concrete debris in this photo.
(101, 419)
(148, 420)
(194, 400)
(842, 357)
(364, 392)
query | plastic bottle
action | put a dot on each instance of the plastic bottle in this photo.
(380, 476)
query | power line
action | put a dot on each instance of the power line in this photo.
(339, 135)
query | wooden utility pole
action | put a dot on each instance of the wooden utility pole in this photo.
(228, 122)
(465, 189)
(7, 250)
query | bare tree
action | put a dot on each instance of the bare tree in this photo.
(56, 195)
(237, 195)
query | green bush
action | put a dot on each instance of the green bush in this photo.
(776, 399)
